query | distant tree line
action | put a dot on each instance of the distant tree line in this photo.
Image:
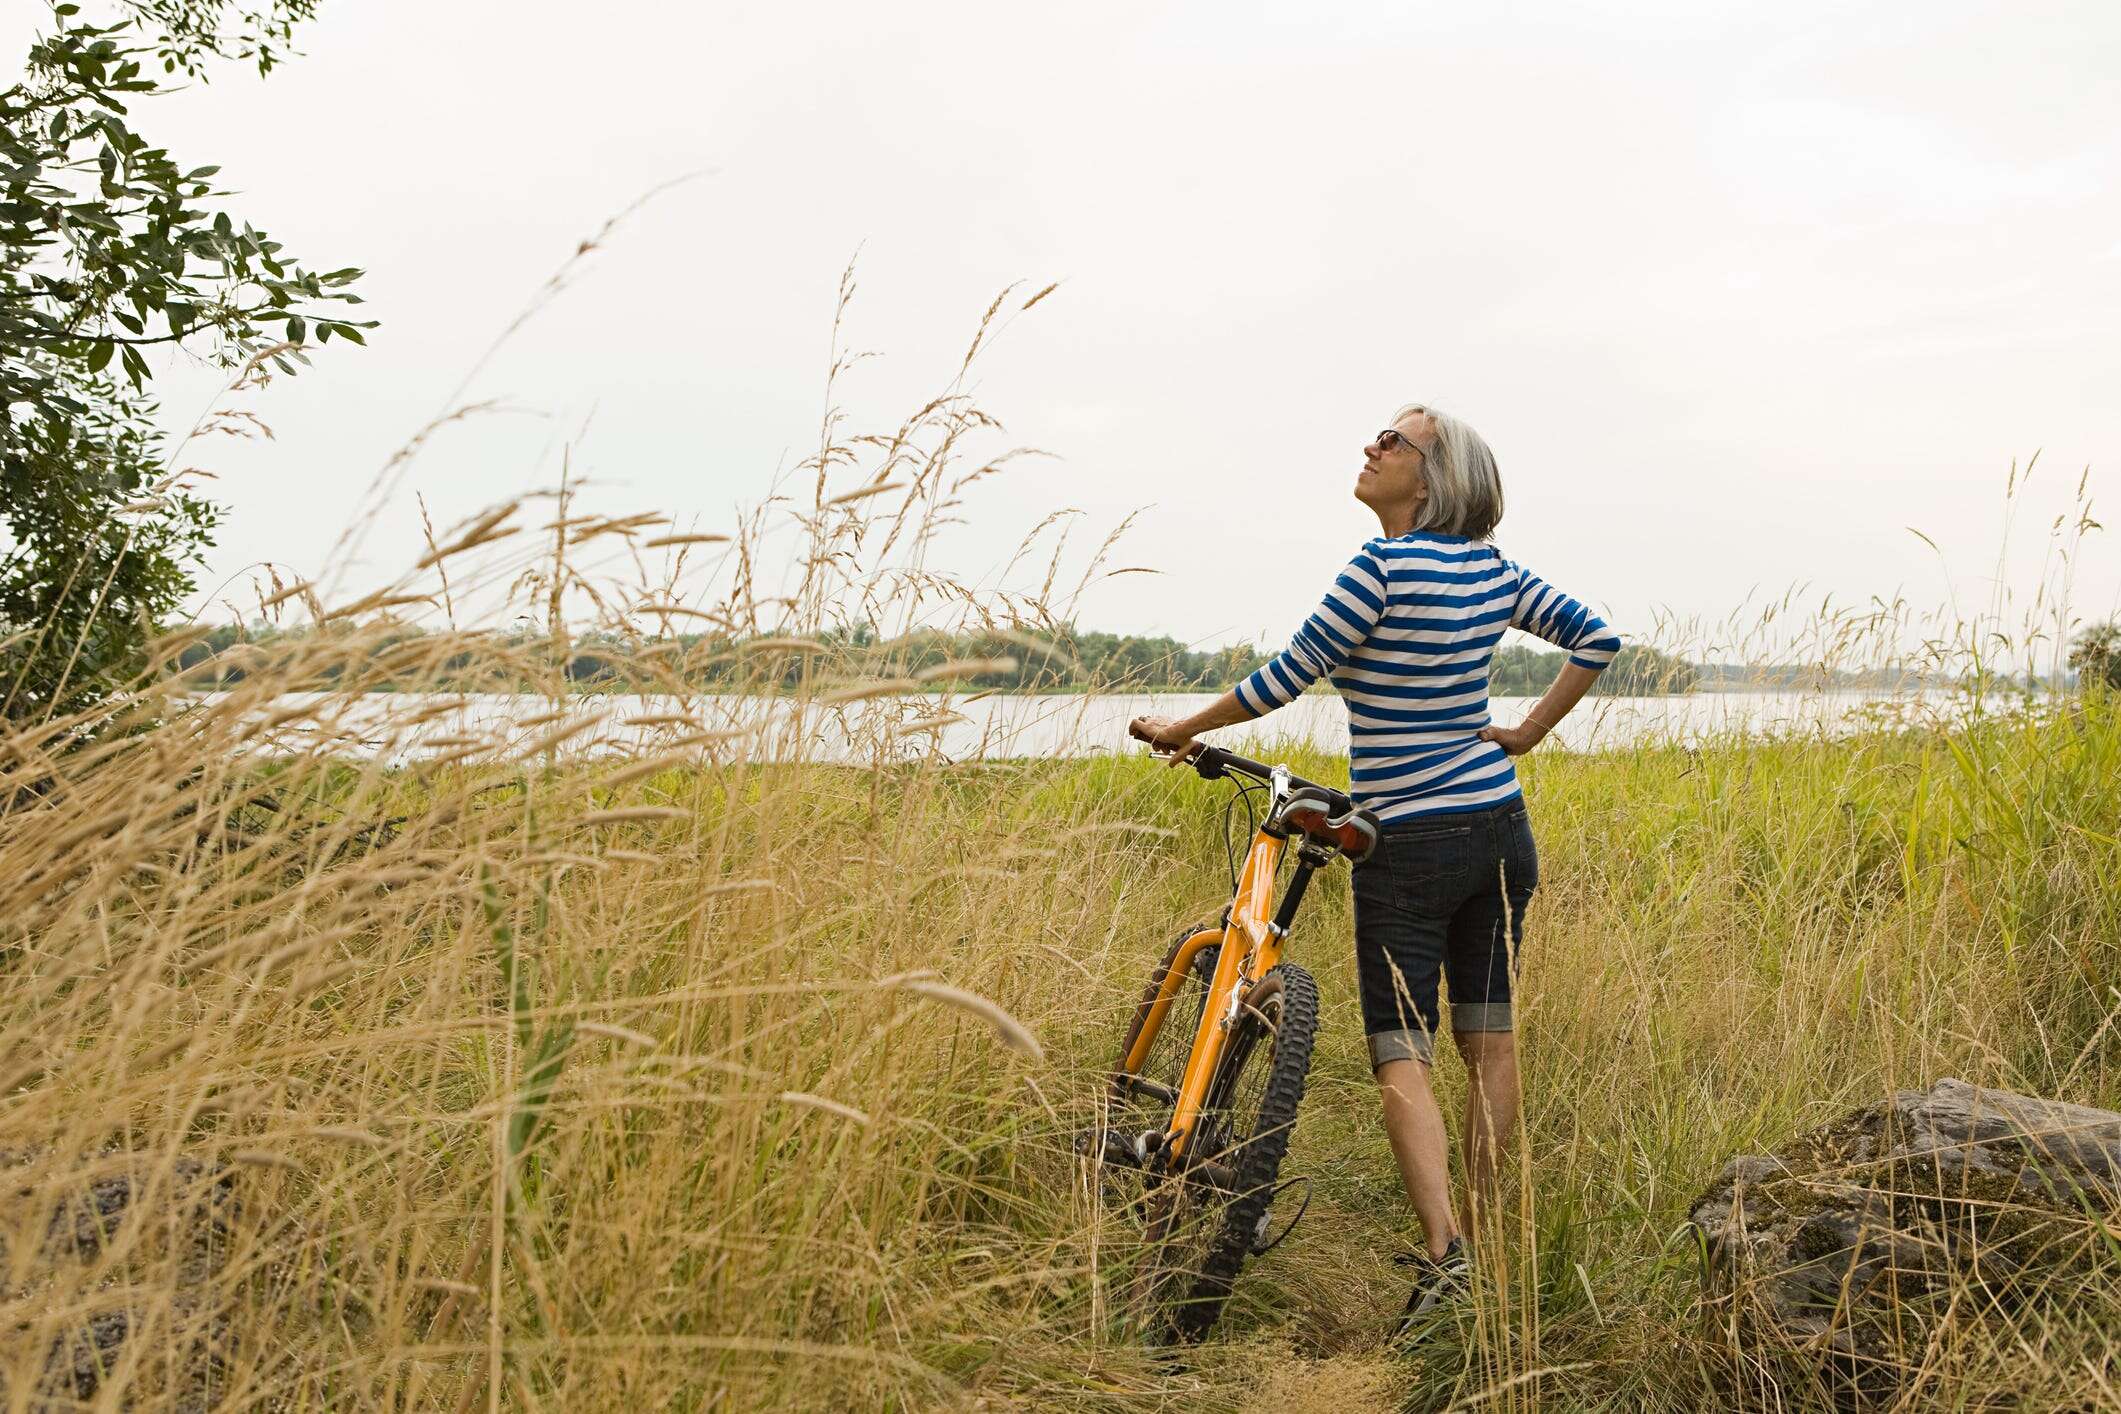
(1049, 660)
(1058, 659)
(1636, 671)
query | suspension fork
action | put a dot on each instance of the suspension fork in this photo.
(1240, 927)
(1167, 992)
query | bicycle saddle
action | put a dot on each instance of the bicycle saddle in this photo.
(1331, 818)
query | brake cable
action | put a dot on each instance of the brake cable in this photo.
(1243, 792)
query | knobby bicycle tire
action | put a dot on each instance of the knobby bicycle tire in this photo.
(1261, 1141)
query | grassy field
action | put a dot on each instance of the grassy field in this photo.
(516, 1078)
(684, 1084)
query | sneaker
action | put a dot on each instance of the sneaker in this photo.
(1439, 1279)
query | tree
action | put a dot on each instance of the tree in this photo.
(1638, 670)
(2097, 656)
(108, 248)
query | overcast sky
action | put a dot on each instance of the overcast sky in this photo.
(1738, 293)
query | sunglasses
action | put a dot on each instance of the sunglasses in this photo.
(1392, 438)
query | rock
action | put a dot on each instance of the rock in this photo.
(169, 1229)
(75, 1367)
(1832, 1259)
(196, 1201)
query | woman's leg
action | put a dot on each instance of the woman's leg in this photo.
(1405, 894)
(1480, 960)
(1491, 1116)
(1414, 1124)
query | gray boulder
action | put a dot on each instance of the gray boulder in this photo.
(1830, 1260)
(135, 1233)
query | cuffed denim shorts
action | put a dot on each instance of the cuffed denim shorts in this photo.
(1442, 895)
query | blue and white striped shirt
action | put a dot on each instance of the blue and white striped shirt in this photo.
(1406, 635)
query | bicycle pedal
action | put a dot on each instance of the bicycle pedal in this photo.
(1107, 1146)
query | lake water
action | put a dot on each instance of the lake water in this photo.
(401, 727)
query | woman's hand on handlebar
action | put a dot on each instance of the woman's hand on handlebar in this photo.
(1180, 737)
(1163, 735)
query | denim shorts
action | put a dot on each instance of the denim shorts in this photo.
(1442, 895)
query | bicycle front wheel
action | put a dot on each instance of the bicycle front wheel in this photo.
(1206, 1217)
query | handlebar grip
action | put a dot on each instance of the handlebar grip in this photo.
(1244, 765)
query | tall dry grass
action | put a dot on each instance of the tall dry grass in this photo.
(522, 1074)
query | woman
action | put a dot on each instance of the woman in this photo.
(1406, 635)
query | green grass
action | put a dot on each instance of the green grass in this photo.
(546, 1083)
(660, 1066)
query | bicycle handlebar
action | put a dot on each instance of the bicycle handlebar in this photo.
(1212, 762)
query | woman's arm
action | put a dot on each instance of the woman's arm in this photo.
(1177, 737)
(1570, 684)
(1544, 610)
(1341, 622)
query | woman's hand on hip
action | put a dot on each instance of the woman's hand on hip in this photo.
(1517, 740)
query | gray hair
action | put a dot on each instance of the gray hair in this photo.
(1465, 488)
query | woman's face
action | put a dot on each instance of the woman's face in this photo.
(1391, 479)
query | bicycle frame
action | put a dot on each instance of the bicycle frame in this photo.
(1252, 932)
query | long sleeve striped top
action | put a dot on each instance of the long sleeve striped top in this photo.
(1407, 635)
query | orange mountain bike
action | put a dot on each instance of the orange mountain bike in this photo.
(1204, 1098)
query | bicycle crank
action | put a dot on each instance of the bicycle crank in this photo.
(1107, 1146)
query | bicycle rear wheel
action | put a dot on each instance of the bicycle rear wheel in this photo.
(1205, 1217)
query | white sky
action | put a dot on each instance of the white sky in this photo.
(1737, 292)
